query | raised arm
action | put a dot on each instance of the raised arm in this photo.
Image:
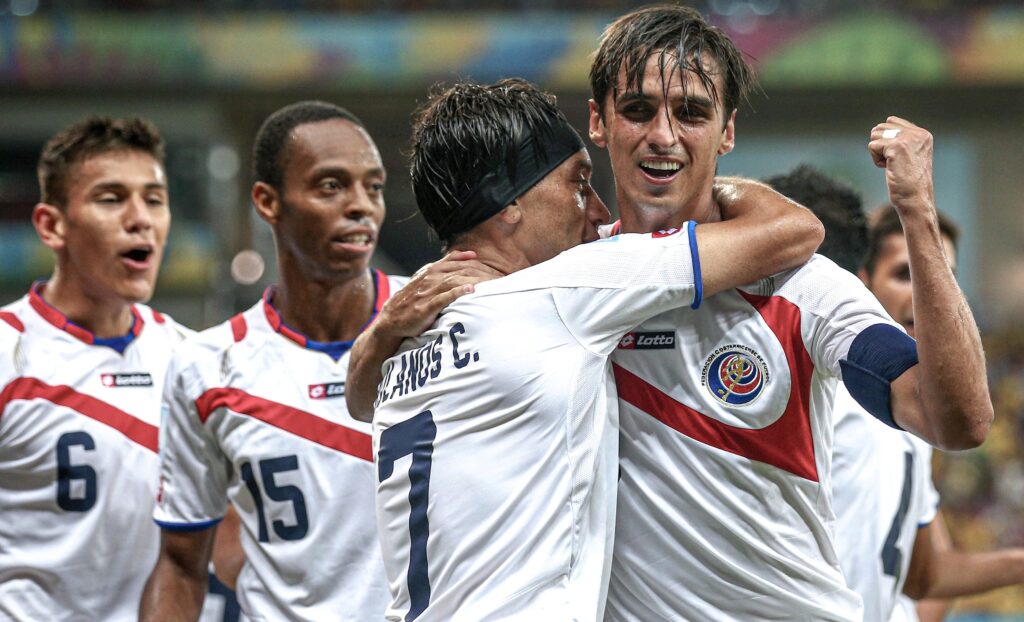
(407, 314)
(763, 233)
(944, 399)
(176, 588)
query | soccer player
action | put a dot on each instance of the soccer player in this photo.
(255, 406)
(724, 500)
(495, 430)
(82, 365)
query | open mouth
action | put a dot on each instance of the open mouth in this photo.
(660, 169)
(361, 239)
(138, 256)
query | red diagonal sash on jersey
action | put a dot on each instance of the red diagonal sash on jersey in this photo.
(31, 388)
(292, 420)
(787, 443)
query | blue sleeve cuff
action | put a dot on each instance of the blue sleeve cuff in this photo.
(185, 527)
(698, 280)
(878, 355)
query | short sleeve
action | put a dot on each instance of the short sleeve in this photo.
(612, 285)
(194, 475)
(835, 307)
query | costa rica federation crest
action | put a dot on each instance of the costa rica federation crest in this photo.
(735, 375)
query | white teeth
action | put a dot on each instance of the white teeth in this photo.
(356, 238)
(660, 165)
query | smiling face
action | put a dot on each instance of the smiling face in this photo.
(113, 227)
(890, 279)
(331, 204)
(663, 144)
(562, 210)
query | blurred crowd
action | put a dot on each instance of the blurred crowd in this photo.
(983, 489)
(780, 8)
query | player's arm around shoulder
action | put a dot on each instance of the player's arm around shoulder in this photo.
(944, 399)
(409, 312)
(763, 233)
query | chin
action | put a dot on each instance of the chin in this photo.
(136, 292)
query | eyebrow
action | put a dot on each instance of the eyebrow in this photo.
(342, 171)
(120, 185)
(689, 100)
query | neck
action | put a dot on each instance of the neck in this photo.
(495, 249)
(324, 310)
(638, 218)
(104, 317)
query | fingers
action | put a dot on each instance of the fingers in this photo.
(894, 130)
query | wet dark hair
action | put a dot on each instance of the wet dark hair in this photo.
(269, 152)
(837, 205)
(884, 221)
(467, 131)
(89, 137)
(683, 40)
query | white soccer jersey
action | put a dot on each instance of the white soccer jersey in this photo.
(78, 462)
(724, 497)
(256, 414)
(882, 492)
(904, 611)
(495, 436)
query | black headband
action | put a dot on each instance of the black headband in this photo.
(537, 154)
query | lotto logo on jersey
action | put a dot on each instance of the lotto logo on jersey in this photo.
(139, 379)
(326, 391)
(660, 340)
(664, 233)
(735, 375)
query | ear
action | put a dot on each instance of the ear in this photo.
(728, 135)
(863, 274)
(512, 214)
(267, 202)
(50, 223)
(597, 129)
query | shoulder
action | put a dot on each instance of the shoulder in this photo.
(820, 287)
(12, 328)
(164, 324)
(199, 357)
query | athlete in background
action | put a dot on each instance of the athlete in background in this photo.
(255, 406)
(82, 365)
(726, 423)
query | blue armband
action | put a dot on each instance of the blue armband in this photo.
(878, 355)
(698, 280)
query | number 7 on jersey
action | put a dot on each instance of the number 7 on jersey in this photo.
(413, 436)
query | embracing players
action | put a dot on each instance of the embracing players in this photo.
(82, 365)
(724, 501)
(496, 430)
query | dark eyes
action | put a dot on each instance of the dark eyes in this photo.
(644, 112)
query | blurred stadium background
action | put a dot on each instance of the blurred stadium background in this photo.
(207, 73)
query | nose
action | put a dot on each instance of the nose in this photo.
(597, 211)
(661, 131)
(360, 204)
(137, 216)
